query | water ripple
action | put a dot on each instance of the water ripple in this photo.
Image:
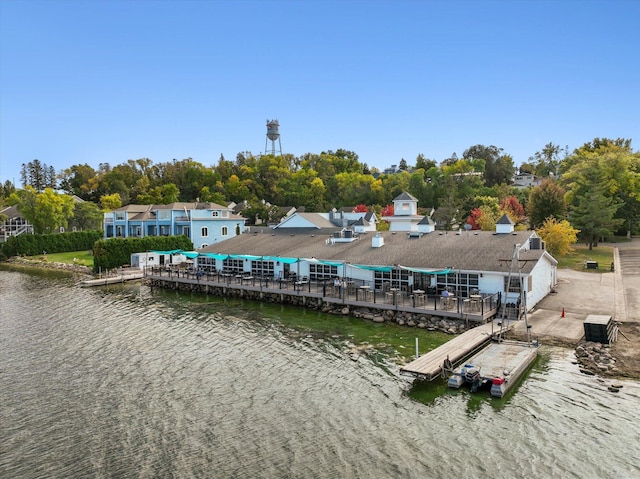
(125, 382)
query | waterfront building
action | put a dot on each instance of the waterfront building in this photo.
(15, 224)
(465, 263)
(203, 223)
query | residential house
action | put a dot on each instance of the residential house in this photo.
(204, 223)
(360, 222)
(14, 224)
(523, 180)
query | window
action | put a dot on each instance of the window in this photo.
(392, 279)
(164, 214)
(205, 232)
(233, 266)
(262, 268)
(206, 263)
(215, 214)
(514, 284)
(322, 271)
(119, 215)
(461, 284)
(225, 231)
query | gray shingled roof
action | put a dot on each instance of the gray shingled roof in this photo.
(469, 251)
(505, 220)
(405, 196)
(313, 218)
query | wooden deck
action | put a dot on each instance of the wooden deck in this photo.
(374, 299)
(430, 365)
(120, 278)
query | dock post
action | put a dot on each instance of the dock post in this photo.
(417, 355)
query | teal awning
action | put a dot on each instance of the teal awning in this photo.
(281, 259)
(384, 269)
(245, 256)
(215, 255)
(425, 270)
(173, 251)
(190, 254)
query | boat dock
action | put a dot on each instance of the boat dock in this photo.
(431, 365)
(119, 278)
(501, 365)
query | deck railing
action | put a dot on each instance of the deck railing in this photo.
(357, 292)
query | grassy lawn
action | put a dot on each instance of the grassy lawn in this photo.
(602, 254)
(83, 258)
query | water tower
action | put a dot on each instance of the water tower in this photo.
(273, 134)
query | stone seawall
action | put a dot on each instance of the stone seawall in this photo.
(402, 318)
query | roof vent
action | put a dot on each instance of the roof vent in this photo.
(377, 241)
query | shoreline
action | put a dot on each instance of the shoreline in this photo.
(30, 263)
(619, 360)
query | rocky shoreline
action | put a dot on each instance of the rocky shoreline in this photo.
(592, 358)
(43, 263)
(595, 358)
(402, 318)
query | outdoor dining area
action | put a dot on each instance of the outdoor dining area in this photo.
(384, 295)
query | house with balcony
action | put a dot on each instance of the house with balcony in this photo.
(204, 223)
(14, 224)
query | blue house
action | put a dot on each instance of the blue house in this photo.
(204, 223)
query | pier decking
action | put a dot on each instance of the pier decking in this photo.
(355, 294)
(429, 366)
(119, 278)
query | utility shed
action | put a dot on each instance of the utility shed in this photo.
(600, 328)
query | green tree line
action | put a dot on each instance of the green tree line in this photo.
(596, 187)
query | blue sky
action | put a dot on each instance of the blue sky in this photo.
(107, 81)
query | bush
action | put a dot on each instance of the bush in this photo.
(116, 252)
(32, 245)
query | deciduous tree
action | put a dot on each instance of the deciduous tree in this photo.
(558, 235)
(546, 201)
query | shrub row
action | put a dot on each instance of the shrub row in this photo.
(116, 252)
(32, 245)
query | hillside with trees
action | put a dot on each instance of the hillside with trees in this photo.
(596, 188)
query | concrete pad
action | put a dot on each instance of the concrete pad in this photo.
(582, 293)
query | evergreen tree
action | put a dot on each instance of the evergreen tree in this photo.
(594, 214)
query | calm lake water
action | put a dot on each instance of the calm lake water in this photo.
(125, 382)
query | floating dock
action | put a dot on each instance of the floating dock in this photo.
(500, 365)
